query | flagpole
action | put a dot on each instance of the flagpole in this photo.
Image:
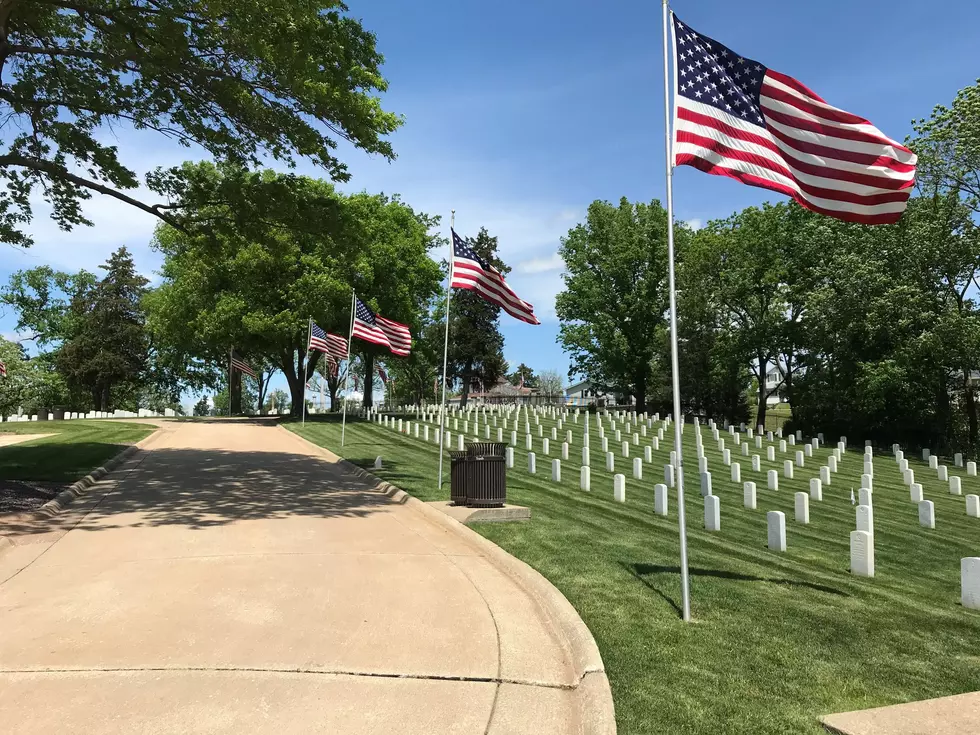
(674, 369)
(309, 335)
(350, 337)
(445, 349)
(231, 353)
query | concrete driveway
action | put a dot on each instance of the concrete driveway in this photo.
(232, 579)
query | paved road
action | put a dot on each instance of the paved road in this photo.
(231, 581)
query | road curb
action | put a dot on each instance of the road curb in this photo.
(596, 710)
(63, 499)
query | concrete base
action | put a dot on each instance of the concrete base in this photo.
(467, 515)
(954, 715)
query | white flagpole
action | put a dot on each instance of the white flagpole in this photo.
(231, 353)
(674, 370)
(350, 337)
(306, 365)
(445, 349)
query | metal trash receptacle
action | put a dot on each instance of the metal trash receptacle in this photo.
(457, 477)
(487, 449)
(486, 476)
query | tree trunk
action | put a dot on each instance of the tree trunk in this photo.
(467, 375)
(971, 409)
(235, 392)
(641, 391)
(760, 417)
(297, 387)
(368, 380)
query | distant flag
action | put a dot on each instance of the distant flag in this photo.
(472, 273)
(380, 331)
(852, 496)
(3, 369)
(323, 341)
(383, 375)
(239, 364)
(435, 386)
(357, 383)
(735, 117)
(332, 365)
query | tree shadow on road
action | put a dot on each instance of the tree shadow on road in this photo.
(199, 488)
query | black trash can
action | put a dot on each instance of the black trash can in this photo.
(486, 477)
(487, 449)
(59, 414)
(457, 477)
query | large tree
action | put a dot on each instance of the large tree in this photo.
(615, 298)
(476, 346)
(108, 347)
(253, 283)
(241, 80)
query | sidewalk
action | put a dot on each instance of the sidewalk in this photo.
(231, 581)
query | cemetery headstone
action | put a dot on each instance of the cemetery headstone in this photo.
(660, 499)
(802, 508)
(749, 495)
(776, 527)
(619, 488)
(862, 554)
(712, 513)
(927, 514)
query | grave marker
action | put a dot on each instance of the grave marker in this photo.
(816, 488)
(927, 514)
(802, 508)
(776, 526)
(712, 513)
(585, 479)
(748, 495)
(660, 499)
(619, 488)
(862, 554)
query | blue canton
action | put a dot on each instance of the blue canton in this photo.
(713, 74)
(364, 314)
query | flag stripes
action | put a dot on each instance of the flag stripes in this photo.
(735, 117)
(243, 366)
(330, 344)
(380, 331)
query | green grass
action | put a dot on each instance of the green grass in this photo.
(778, 639)
(776, 416)
(77, 448)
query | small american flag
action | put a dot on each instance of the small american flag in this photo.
(323, 341)
(3, 369)
(735, 117)
(380, 331)
(238, 364)
(473, 273)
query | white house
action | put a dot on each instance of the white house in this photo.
(586, 394)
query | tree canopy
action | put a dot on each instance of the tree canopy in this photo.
(238, 79)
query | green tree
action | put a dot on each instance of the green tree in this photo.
(241, 80)
(42, 298)
(108, 346)
(254, 283)
(476, 346)
(523, 371)
(613, 308)
(202, 407)
(12, 387)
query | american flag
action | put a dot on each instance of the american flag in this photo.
(3, 369)
(380, 331)
(238, 364)
(473, 273)
(382, 374)
(333, 365)
(735, 117)
(325, 342)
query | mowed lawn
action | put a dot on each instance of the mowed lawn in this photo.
(778, 639)
(76, 448)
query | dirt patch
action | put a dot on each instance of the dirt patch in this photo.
(19, 496)
(8, 439)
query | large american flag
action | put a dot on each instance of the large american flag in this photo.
(376, 329)
(473, 273)
(735, 117)
(326, 342)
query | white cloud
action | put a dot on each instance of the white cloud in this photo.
(694, 223)
(547, 264)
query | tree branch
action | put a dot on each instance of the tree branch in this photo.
(53, 169)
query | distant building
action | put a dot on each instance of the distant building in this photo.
(587, 394)
(502, 392)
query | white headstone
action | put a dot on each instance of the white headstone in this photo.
(712, 513)
(862, 554)
(807, 450)
(610, 462)
(973, 506)
(955, 485)
(564, 450)
(970, 582)
(802, 507)
(971, 469)
(776, 525)
(513, 438)
(908, 477)
(556, 470)
(958, 459)
(773, 477)
(756, 463)
(528, 442)
(736, 472)
(605, 444)
(903, 464)
(706, 483)
(545, 446)
(816, 487)
(377, 463)
(799, 458)
(702, 464)
(943, 472)
(531, 463)
(748, 495)
(655, 443)
(866, 481)
(927, 514)
(619, 488)
(915, 492)
(788, 469)
(771, 453)
(669, 475)
(638, 468)
(509, 453)
(864, 515)
(660, 499)
(745, 449)
(864, 496)
(726, 457)
(925, 455)
(586, 457)
(647, 454)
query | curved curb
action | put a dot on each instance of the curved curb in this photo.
(63, 499)
(596, 710)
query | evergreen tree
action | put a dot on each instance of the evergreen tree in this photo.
(108, 347)
(476, 346)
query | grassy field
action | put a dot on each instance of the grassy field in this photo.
(776, 415)
(76, 449)
(778, 639)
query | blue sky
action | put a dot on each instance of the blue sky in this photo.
(520, 116)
